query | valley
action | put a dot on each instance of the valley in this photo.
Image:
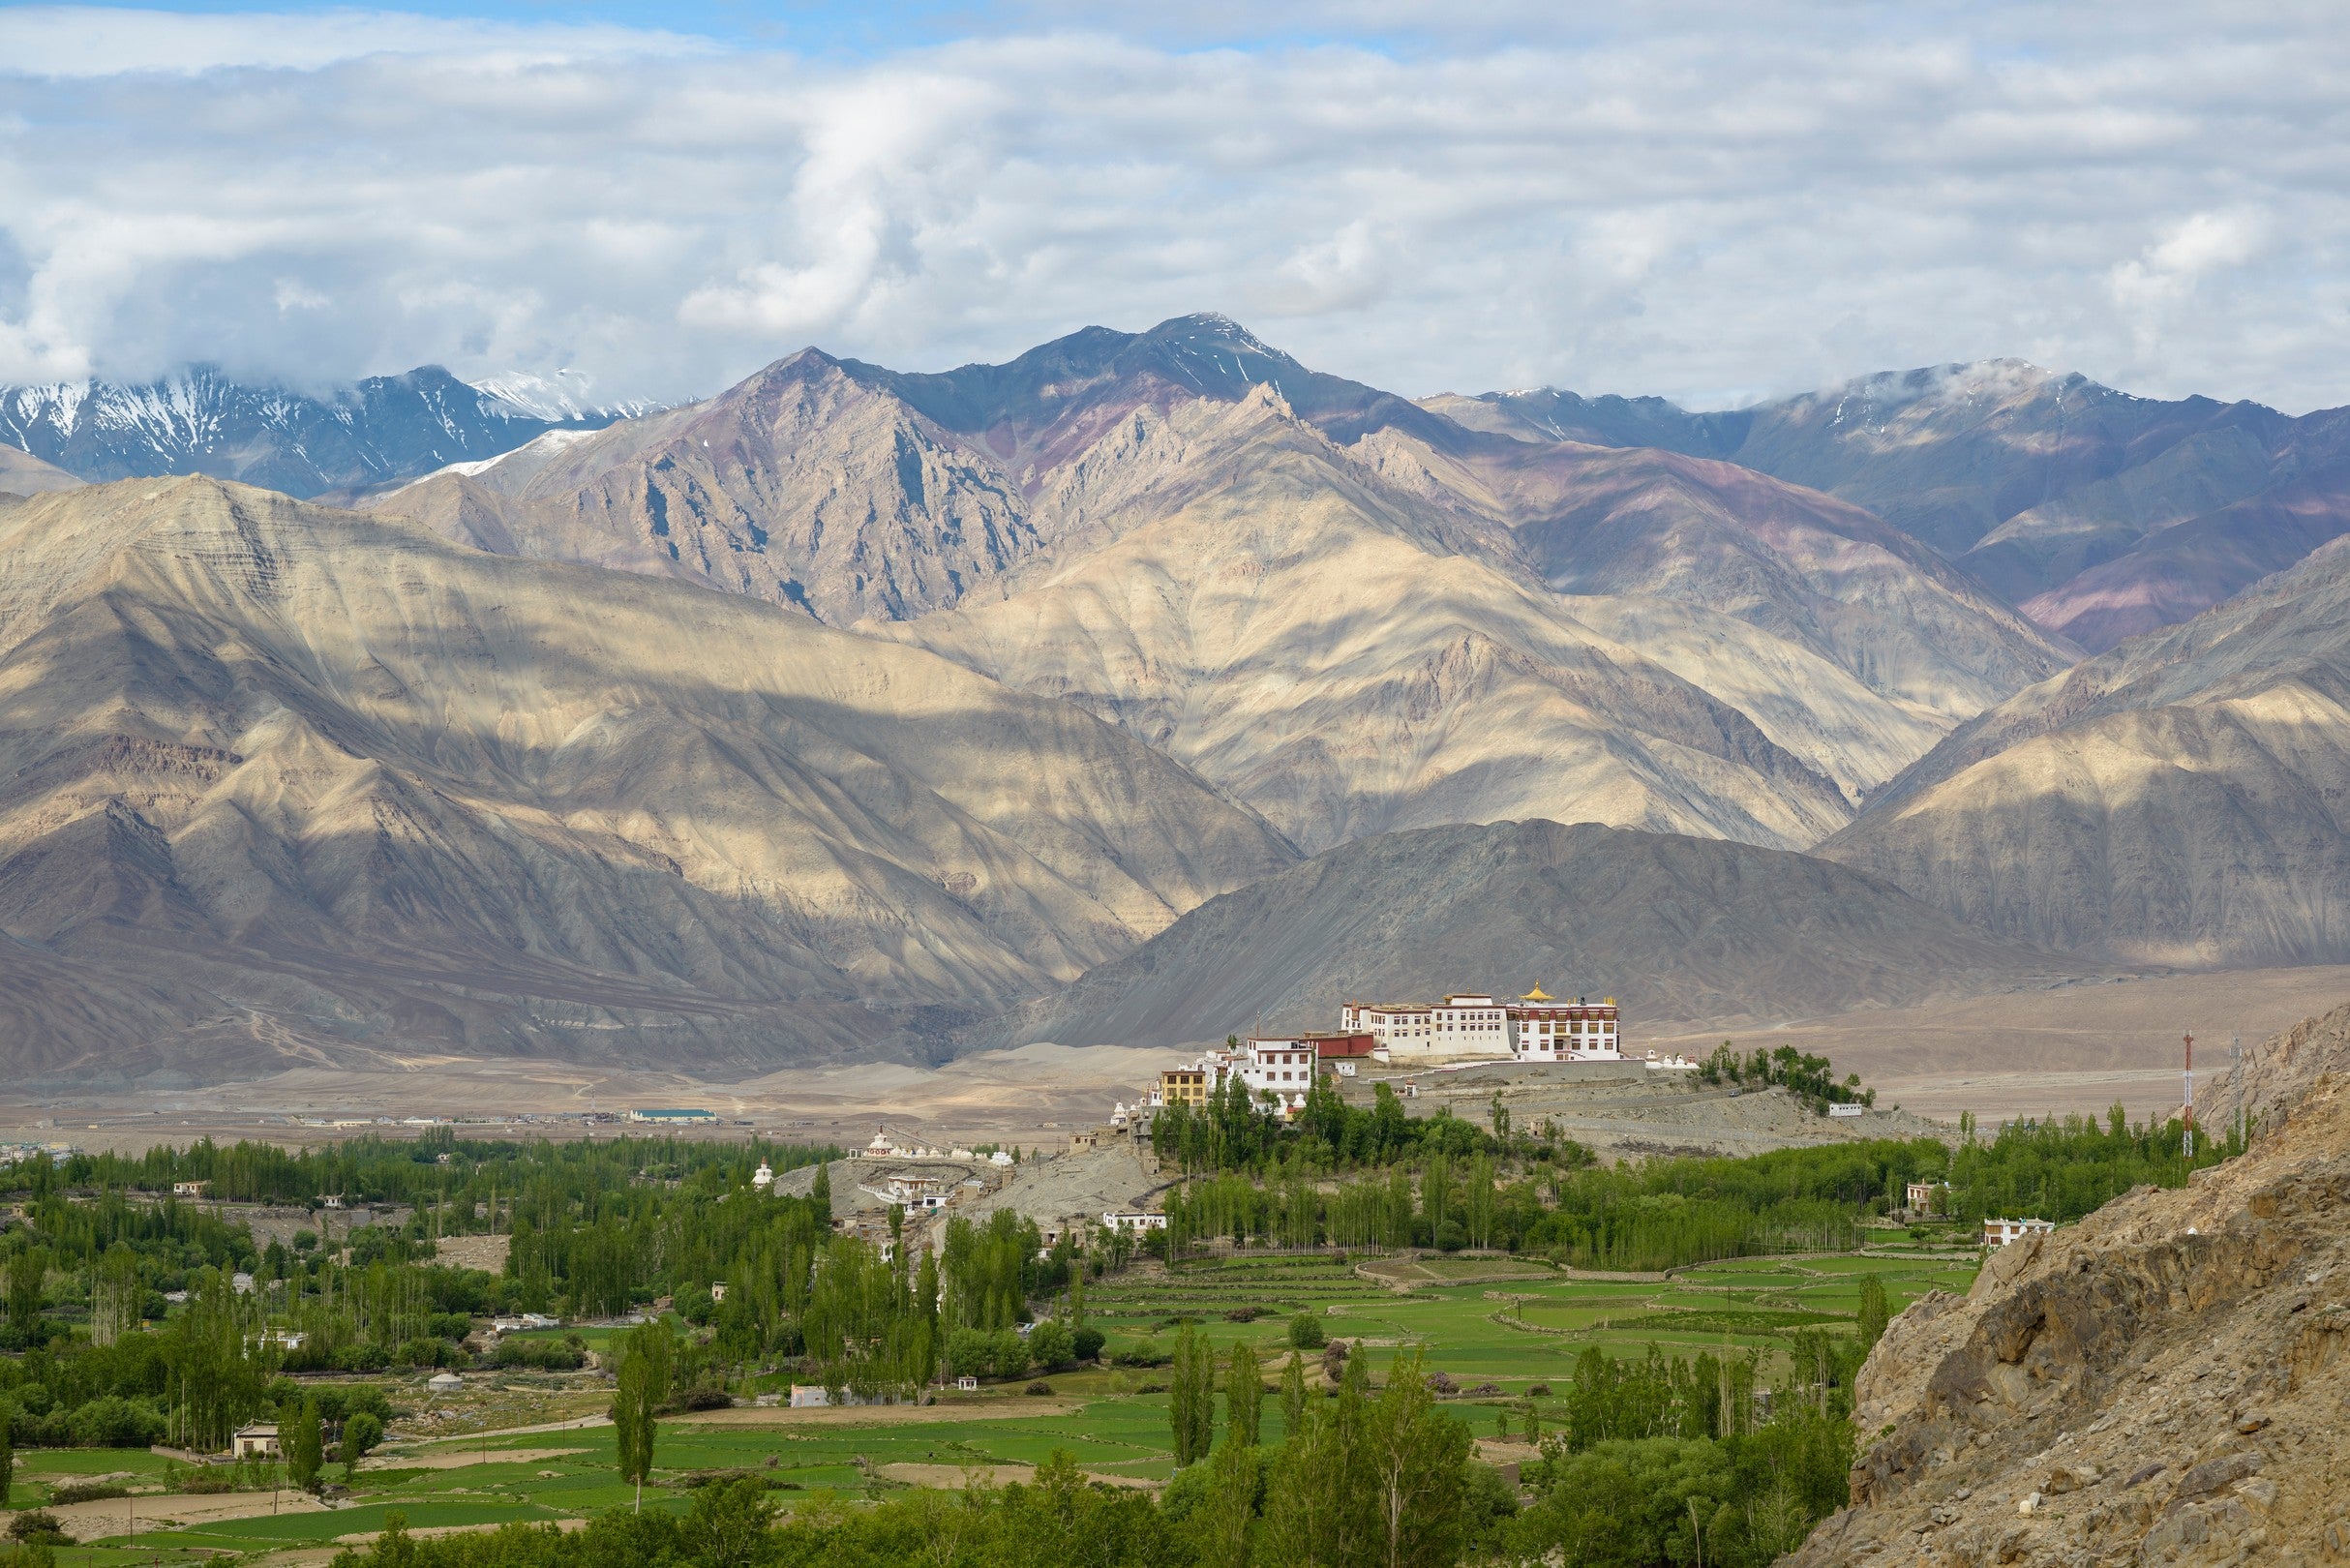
(1173, 787)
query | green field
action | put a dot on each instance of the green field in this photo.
(1500, 1322)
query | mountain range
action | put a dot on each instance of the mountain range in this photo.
(1343, 609)
(280, 760)
(1137, 688)
(2101, 515)
(383, 429)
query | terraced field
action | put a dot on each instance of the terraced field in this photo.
(1500, 1322)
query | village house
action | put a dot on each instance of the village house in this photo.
(1182, 1086)
(1136, 1222)
(1998, 1233)
(915, 1193)
(1924, 1198)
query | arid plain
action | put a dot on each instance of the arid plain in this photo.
(2073, 1049)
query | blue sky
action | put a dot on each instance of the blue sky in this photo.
(1713, 201)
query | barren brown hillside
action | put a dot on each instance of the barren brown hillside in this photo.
(2163, 1383)
(293, 779)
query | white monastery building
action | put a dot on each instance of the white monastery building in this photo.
(1536, 1027)
(1279, 1070)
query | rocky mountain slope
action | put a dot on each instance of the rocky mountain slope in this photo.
(802, 487)
(2183, 798)
(1680, 928)
(1796, 563)
(2179, 572)
(2163, 1383)
(1336, 605)
(1294, 634)
(381, 429)
(2065, 496)
(326, 784)
(24, 474)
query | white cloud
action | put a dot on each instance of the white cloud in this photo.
(1710, 202)
(90, 41)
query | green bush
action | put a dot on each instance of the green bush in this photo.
(360, 1435)
(1305, 1332)
(970, 1353)
(114, 1422)
(200, 1483)
(1010, 1355)
(540, 1355)
(1086, 1344)
(39, 1524)
(1052, 1345)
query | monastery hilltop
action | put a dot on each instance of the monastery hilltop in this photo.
(1461, 1031)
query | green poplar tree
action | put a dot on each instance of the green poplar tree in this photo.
(28, 1270)
(1183, 1396)
(1294, 1395)
(1244, 1395)
(1203, 1399)
(1413, 1461)
(8, 1451)
(302, 1442)
(1875, 1313)
(1220, 1523)
(643, 1387)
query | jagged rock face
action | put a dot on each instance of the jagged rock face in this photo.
(2163, 1383)
(1807, 570)
(2182, 569)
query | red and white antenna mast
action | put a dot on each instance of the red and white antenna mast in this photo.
(2189, 1111)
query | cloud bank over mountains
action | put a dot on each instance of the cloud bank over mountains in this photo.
(1713, 204)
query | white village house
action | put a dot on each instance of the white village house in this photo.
(1998, 1233)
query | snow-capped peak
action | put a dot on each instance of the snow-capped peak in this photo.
(560, 398)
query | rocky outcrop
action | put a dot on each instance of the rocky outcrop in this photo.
(2164, 1383)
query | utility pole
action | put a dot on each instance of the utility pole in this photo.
(2187, 1112)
